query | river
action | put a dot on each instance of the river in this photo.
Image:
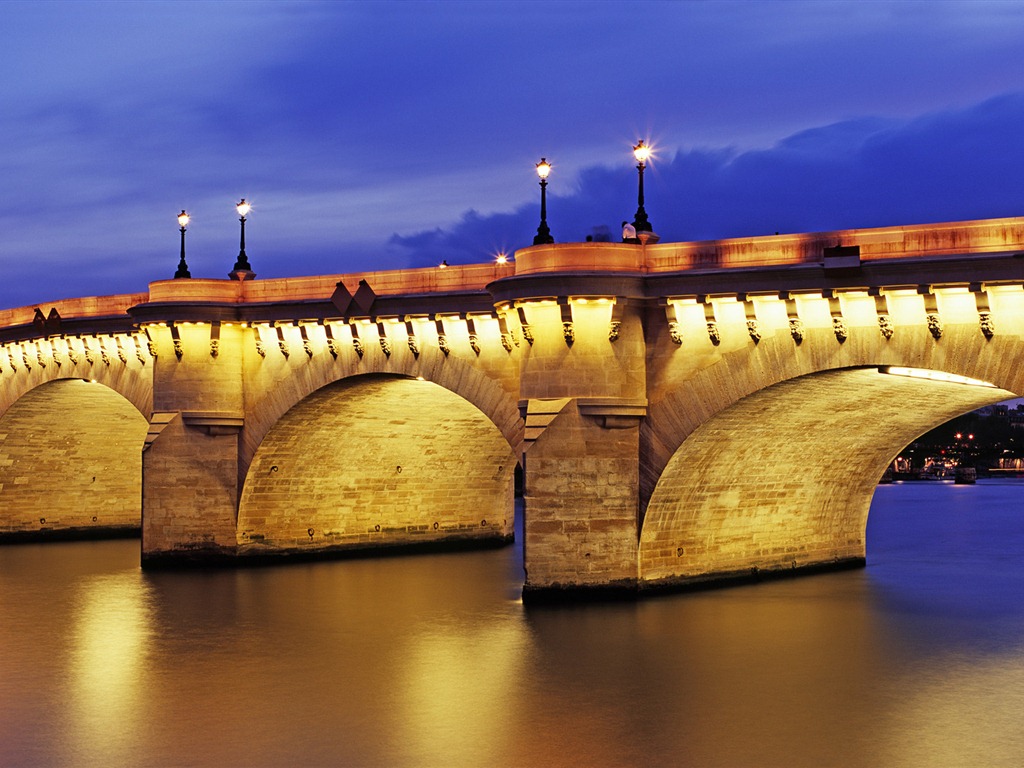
(433, 660)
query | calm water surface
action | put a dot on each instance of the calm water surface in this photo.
(917, 660)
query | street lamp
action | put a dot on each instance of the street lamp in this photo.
(242, 270)
(183, 220)
(641, 152)
(543, 233)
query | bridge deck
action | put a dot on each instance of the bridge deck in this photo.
(988, 236)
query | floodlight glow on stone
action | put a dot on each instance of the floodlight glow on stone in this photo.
(921, 373)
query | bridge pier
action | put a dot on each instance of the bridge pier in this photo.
(581, 500)
(190, 474)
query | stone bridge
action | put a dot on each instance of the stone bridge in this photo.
(682, 412)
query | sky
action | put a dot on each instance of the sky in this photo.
(385, 135)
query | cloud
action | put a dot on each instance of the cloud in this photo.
(363, 131)
(948, 166)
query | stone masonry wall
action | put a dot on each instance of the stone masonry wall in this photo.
(70, 459)
(377, 461)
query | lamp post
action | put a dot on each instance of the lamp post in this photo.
(183, 219)
(641, 152)
(242, 270)
(543, 233)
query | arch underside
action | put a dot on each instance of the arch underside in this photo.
(784, 477)
(70, 461)
(377, 461)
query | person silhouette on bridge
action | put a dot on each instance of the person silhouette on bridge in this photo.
(628, 233)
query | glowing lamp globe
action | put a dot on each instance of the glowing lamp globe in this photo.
(641, 152)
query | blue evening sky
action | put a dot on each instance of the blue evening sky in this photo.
(375, 135)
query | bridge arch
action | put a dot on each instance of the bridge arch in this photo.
(695, 380)
(129, 378)
(377, 460)
(784, 477)
(283, 383)
(70, 461)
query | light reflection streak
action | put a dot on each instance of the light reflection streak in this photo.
(453, 678)
(111, 633)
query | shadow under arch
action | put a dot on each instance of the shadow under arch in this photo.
(783, 478)
(377, 461)
(71, 463)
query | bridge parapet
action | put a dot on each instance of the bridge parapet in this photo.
(984, 236)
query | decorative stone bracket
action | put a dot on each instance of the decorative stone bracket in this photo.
(307, 344)
(474, 340)
(357, 343)
(568, 326)
(711, 319)
(931, 311)
(750, 315)
(525, 325)
(507, 339)
(442, 339)
(615, 324)
(282, 342)
(179, 348)
(885, 326)
(214, 339)
(410, 336)
(796, 325)
(981, 302)
(672, 316)
(382, 337)
(835, 309)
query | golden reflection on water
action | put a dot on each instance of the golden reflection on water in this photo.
(956, 702)
(111, 636)
(452, 678)
(916, 662)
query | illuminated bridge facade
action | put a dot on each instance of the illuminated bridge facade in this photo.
(682, 412)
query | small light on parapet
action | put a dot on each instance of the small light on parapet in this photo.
(501, 258)
(443, 264)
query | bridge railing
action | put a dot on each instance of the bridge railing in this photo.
(917, 241)
(83, 307)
